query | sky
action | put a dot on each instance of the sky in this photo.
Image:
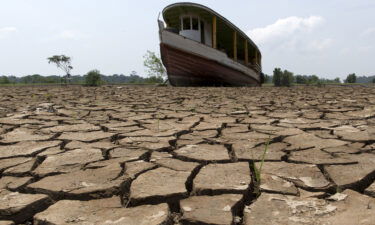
(328, 38)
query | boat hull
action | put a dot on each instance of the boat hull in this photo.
(188, 69)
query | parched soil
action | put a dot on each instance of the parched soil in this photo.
(169, 156)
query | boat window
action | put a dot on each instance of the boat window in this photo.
(186, 23)
(195, 23)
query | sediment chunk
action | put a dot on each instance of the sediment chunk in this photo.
(85, 136)
(26, 148)
(227, 178)
(274, 151)
(165, 160)
(350, 175)
(90, 183)
(23, 134)
(209, 209)
(306, 140)
(204, 152)
(305, 175)
(348, 207)
(68, 161)
(99, 212)
(159, 183)
(21, 207)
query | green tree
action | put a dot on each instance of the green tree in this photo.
(4, 80)
(301, 79)
(351, 78)
(287, 78)
(62, 62)
(93, 78)
(277, 73)
(314, 79)
(267, 78)
(373, 81)
(154, 65)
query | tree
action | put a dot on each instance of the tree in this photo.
(281, 78)
(4, 80)
(93, 78)
(301, 79)
(351, 78)
(287, 78)
(337, 80)
(277, 73)
(313, 79)
(63, 62)
(373, 81)
(267, 78)
(154, 65)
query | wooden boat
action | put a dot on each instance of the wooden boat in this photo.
(199, 47)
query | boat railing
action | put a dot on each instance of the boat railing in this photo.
(255, 66)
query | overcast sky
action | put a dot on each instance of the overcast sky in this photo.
(329, 38)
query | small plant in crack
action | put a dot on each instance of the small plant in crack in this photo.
(258, 170)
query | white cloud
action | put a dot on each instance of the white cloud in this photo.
(72, 35)
(285, 28)
(6, 31)
(320, 45)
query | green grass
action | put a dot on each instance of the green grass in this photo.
(258, 170)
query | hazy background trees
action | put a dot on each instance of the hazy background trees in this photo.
(4, 80)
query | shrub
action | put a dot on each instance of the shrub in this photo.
(351, 78)
(4, 80)
(282, 79)
(287, 78)
(93, 78)
(277, 73)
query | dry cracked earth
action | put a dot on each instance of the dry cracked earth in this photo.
(176, 156)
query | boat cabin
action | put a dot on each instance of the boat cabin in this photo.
(211, 29)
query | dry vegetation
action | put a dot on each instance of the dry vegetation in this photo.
(162, 155)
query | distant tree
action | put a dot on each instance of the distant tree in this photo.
(267, 78)
(277, 73)
(93, 78)
(351, 78)
(373, 81)
(337, 80)
(301, 79)
(313, 79)
(4, 80)
(281, 78)
(63, 62)
(287, 78)
(154, 80)
(154, 65)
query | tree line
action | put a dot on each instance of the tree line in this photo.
(132, 78)
(152, 62)
(286, 78)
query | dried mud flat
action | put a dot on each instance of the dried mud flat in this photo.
(161, 155)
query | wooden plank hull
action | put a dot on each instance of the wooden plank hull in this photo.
(188, 69)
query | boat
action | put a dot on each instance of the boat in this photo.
(199, 47)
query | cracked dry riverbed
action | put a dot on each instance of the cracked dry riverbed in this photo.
(163, 155)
